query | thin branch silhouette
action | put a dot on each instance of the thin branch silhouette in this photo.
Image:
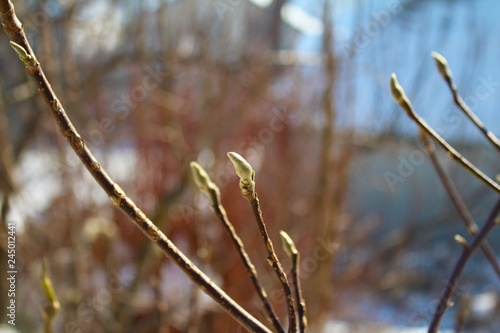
(459, 204)
(467, 252)
(400, 97)
(445, 72)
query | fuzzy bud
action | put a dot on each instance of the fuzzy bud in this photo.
(288, 244)
(397, 91)
(460, 240)
(21, 52)
(201, 178)
(442, 66)
(244, 171)
(399, 96)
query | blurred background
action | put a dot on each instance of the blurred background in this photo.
(300, 89)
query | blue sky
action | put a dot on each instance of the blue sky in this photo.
(399, 36)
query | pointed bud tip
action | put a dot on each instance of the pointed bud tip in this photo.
(397, 91)
(21, 52)
(241, 166)
(442, 65)
(201, 177)
(288, 244)
(439, 57)
(460, 240)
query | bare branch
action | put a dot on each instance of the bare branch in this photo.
(206, 185)
(247, 186)
(444, 70)
(291, 250)
(468, 250)
(472, 228)
(400, 97)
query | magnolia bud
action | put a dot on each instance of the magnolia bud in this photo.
(201, 178)
(288, 244)
(244, 171)
(397, 91)
(460, 240)
(21, 52)
(399, 96)
(442, 65)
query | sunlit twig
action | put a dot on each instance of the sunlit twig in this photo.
(293, 253)
(247, 185)
(206, 185)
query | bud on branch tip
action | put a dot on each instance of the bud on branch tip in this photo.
(244, 171)
(442, 65)
(241, 166)
(460, 240)
(201, 178)
(397, 91)
(288, 244)
(399, 96)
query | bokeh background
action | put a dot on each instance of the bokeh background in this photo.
(300, 89)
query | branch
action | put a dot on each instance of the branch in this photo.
(400, 97)
(208, 187)
(247, 185)
(291, 250)
(472, 228)
(445, 72)
(447, 293)
(14, 30)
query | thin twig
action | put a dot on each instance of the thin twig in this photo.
(274, 262)
(221, 214)
(247, 185)
(14, 30)
(447, 293)
(291, 250)
(400, 97)
(301, 304)
(208, 187)
(460, 206)
(445, 72)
